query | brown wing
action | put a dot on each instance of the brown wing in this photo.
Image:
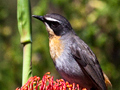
(88, 62)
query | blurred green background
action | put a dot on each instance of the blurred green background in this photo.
(96, 22)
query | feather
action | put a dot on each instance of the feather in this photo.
(88, 62)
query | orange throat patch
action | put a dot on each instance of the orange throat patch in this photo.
(56, 47)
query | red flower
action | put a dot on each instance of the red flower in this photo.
(47, 83)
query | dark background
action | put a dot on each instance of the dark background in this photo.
(96, 22)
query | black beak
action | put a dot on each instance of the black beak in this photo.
(39, 17)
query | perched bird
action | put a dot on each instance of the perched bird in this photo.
(72, 57)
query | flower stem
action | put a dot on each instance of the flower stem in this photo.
(25, 30)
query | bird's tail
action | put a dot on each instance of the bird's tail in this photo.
(107, 82)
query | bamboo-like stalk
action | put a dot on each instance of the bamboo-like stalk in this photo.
(25, 29)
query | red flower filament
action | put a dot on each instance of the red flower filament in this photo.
(47, 83)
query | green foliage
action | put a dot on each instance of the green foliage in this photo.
(96, 22)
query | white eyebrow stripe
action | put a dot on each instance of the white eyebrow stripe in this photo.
(51, 19)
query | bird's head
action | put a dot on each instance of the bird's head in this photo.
(55, 24)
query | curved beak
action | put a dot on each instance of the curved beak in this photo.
(39, 17)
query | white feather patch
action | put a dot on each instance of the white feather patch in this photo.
(51, 19)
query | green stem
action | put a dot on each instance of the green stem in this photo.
(25, 29)
(27, 64)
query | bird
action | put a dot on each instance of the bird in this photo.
(72, 57)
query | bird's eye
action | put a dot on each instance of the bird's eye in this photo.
(54, 24)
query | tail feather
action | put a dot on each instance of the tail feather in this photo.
(107, 82)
